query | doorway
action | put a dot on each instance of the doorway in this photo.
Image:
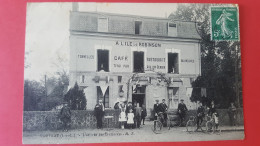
(138, 95)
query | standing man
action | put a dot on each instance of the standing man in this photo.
(65, 116)
(163, 109)
(156, 109)
(182, 109)
(200, 115)
(99, 113)
(138, 113)
(232, 114)
(144, 113)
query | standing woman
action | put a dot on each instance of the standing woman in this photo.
(99, 113)
(122, 116)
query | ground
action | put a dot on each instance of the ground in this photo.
(144, 134)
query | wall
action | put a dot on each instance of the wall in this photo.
(49, 120)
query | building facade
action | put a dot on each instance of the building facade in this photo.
(120, 58)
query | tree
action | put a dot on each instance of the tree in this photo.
(221, 75)
(76, 98)
(34, 94)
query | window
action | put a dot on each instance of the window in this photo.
(120, 88)
(119, 78)
(138, 25)
(103, 97)
(173, 64)
(138, 62)
(102, 24)
(172, 29)
(103, 60)
(82, 79)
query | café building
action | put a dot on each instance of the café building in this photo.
(118, 58)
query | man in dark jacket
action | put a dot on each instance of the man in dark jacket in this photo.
(144, 113)
(156, 109)
(65, 116)
(200, 115)
(182, 109)
(163, 109)
(99, 113)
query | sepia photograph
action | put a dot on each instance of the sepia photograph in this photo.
(132, 72)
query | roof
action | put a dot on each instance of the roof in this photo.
(124, 24)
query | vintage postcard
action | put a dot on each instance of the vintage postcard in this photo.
(132, 72)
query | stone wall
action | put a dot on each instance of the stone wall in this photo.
(49, 120)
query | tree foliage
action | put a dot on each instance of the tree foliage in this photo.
(219, 60)
(46, 94)
(76, 98)
(34, 93)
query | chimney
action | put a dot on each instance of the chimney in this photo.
(75, 6)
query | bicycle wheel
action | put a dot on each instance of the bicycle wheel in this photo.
(158, 127)
(209, 126)
(190, 126)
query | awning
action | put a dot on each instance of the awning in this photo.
(175, 82)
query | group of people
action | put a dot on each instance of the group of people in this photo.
(161, 108)
(214, 115)
(132, 115)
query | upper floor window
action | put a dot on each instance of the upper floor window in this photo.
(103, 60)
(138, 61)
(173, 63)
(138, 25)
(102, 24)
(172, 29)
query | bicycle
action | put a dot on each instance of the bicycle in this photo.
(173, 121)
(191, 125)
(207, 125)
(212, 123)
(158, 123)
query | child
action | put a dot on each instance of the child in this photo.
(215, 117)
(130, 119)
(122, 116)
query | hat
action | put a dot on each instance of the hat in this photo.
(163, 100)
(157, 100)
(182, 99)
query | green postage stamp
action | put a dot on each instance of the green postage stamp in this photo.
(224, 23)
